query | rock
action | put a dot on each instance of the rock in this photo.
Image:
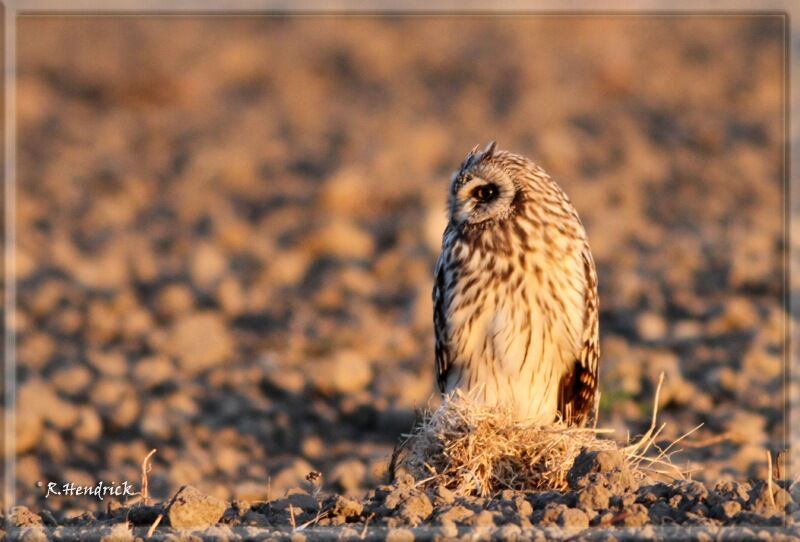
(484, 518)
(573, 518)
(634, 516)
(35, 350)
(191, 509)
(89, 427)
(346, 193)
(32, 534)
(109, 363)
(456, 514)
(39, 397)
(591, 466)
(200, 342)
(349, 475)
(119, 532)
(142, 514)
(416, 509)
(400, 535)
(153, 371)
(345, 373)
(118, 401)
(21, 516)
(291, 476)
(174, 300)
(444, 496)
(312, 447)
(651, 326)
(342, 239)
(208, 265)
(594, 497)
(346, 509)
(726, 510)
(231, 297)
(73, 380)
(27, 429)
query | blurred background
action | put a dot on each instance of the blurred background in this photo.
(227, 229)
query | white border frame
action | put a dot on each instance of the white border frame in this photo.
(14, 8)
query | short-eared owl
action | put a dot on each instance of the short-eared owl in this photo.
(515, 294)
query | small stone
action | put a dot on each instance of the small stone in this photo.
(200, 341)
(456, 514)
(399, 535)
(634, 516)
(448, 529)
(726, 510)
(72, 380)
(291, 476)
(651, 326)
(342, 239)
(89, 427)
(231, 296)
(21, 516)
(347, 508)
(416, 509)
(312, 447)
(174, 300)
(35, 350)
(573, 518)
(39, 397)
(191, 509)
(444, 495)
(348, 533)
(349, 474)
(590, 463)
(153, 371)
(27, 429)
(108, 363)
(484, 518)
(207, 265)
(345, 373)
(119, 532)
(510, 532)
(594, 497)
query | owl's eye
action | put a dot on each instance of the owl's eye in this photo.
(485, 192)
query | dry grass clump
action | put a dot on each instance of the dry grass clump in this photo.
(476, 449)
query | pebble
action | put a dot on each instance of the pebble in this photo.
(349, 475)
(199, 342)
(191, 509)
(346, 372)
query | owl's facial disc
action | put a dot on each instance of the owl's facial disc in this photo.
(482, 196)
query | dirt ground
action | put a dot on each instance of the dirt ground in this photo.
(227, 229)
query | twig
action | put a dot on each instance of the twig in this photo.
(728, 435)
(366, 523)
(146, 466)
(769, 479)
(291, 518)
(780, 458)
(316, 518)
(152, 528)
(646, 438)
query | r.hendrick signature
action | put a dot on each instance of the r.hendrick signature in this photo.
(99, 490)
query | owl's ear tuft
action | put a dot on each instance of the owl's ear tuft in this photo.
(488, 152)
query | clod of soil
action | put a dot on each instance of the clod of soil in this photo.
(191, 509)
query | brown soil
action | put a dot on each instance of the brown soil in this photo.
(226, 235)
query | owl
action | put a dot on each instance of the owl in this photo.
(515, 293)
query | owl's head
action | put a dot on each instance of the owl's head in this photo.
(482, 191)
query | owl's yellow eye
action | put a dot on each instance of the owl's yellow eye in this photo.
(485, 192)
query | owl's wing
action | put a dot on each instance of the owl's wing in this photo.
(578, 387)
(440, 325)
